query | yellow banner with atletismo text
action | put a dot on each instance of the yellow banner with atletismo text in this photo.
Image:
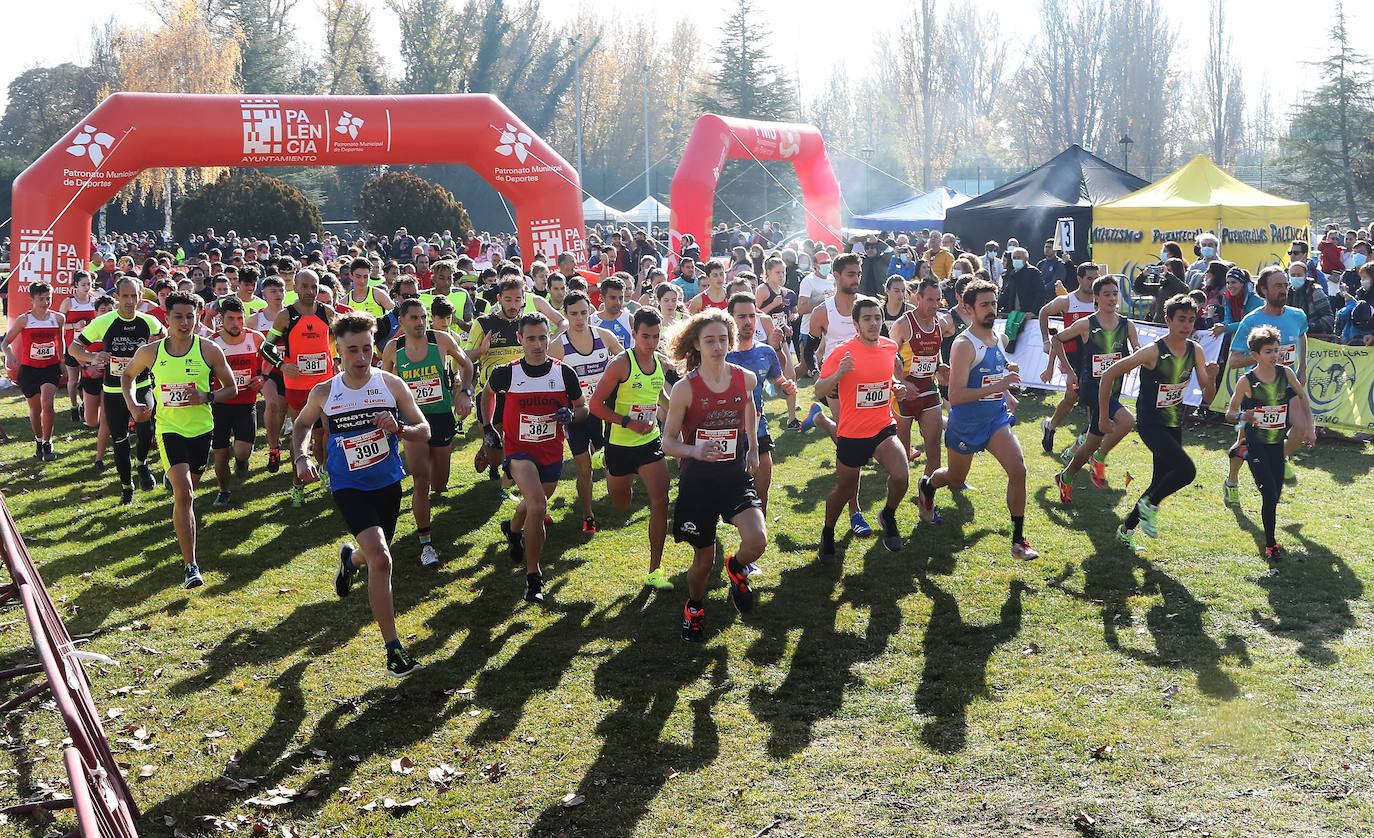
(1340, 386)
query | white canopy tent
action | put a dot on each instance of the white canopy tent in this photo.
(647, 211)
(593, 211)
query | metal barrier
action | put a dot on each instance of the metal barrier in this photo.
(100, 795)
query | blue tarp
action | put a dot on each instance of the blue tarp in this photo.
(926, 210)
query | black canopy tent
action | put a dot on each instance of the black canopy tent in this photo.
(1066, 186)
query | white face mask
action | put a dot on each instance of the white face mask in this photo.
(958, 273)
(1365, 283)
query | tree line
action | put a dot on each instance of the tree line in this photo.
(947, 88)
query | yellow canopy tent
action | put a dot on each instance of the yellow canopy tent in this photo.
(1255, 227)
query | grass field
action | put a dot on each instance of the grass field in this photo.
(947, 690)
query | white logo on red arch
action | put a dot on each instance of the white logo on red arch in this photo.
(514, 142)
(90, 142)
(349, 124)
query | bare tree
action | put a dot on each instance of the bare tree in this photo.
(1223, 99)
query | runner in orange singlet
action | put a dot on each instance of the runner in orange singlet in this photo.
(865, 371)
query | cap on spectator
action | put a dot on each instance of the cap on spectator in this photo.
(822, 258)
(1238, 274)
(1363, 316)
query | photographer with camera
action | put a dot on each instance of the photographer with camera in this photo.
(1162, 280)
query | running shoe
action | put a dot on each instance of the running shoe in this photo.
(510, 494)
(1273, 553)
(1046, 435)
(1238, 451)
(656, 579)
(794, 424)
(1149, 518)
(343, 577)
(38, 450)
(892, 539)
(221, 500)
(548, 521)
(598, 459)
(1023, 550)
(49, 456)
(273, 461)
(858, 525)
(1068, 453)
(692, 619)
(324, 480)
(1289, 476)
(515, 542)
(240, 468)
(741, 595)
(99, 466)
(145, 478)
(1230, 493)
(753, 569)
(193, 577)
(589, 524)
(429, 557)
(399, 663)
(166, 483)
(76, 413)
(925, 502)
(126, 496)
(826, 554)
(534, 587)
(1098, 473)
(810, 421)
(1127, 538)
(297, 495)
(1065, 488)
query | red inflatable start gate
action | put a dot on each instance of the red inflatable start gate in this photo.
(55, 198)
(716, 139)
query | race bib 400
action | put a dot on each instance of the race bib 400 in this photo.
(872, 395)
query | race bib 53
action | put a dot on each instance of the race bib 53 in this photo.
(727, 438)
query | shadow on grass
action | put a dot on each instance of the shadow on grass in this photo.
(1175, 624)
(822, 665)
(956, 663)
(646, 677)
(1309, 594)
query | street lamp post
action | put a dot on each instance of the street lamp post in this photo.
(1125, 142)
(647, 191)
(867, 153)
(577, 93)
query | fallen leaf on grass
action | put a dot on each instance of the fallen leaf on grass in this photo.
(270, 802)
(1031, 649)
(147, 771)
(1169, 691)
(114, 712)
(403, 765)
(1085, 822)
(397, 807)
(669, 773)
(1101, 752)
(570, 800)
(214, 734)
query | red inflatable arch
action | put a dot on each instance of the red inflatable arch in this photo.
(716, 139)
(55, 198)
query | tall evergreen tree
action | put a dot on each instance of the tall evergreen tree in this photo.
(745, 81)
(1326, 137)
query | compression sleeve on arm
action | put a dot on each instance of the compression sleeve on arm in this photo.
(269, 348)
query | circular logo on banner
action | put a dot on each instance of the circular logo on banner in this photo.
(1329, 379)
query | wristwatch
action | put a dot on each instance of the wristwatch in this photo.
(625, 421)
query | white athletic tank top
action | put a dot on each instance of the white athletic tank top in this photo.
(839, 327)
(590, 367)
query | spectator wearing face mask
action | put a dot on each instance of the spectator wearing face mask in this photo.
(1308, 296)
(1052, 268)
(902, 264)
(1023, 289)
(1348, 283)
(1206, 245)
(991, 263)
(1298, 252)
